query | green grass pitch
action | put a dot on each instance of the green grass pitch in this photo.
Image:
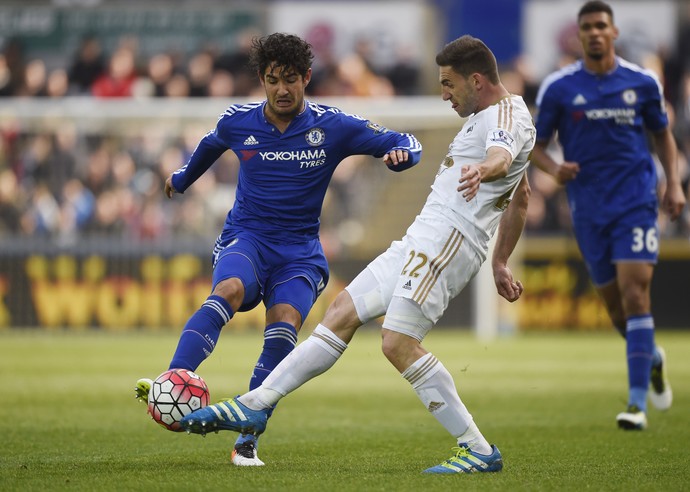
(69, 420)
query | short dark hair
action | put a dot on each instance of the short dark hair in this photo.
(283, 51)
(595, 6)
(467, 55)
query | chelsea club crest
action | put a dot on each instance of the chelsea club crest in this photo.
(629, 97)
(315, 136)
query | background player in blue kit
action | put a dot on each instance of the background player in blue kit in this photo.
(601, 107)
(269, 249)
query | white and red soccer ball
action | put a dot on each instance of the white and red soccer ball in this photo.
(174, 394)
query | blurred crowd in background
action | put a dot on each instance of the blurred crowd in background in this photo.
(207, 73)
(63, 183)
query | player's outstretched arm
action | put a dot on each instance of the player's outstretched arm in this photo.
(209, 149)
(509, 231)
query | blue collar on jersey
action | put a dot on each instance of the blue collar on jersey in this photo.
(615, 67)
(263, 112)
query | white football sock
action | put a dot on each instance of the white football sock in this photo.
(474, 439)
(310, 358)
(435, 387)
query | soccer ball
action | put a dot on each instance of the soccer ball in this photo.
(174, 394)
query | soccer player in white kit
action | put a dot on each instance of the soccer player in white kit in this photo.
(481, 183)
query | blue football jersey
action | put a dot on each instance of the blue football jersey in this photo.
(600, 122)
(283, 177)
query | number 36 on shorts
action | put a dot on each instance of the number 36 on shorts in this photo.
(645, 239)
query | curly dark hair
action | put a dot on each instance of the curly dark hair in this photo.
(282, 51)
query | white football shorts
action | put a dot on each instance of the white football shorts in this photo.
(413, 281)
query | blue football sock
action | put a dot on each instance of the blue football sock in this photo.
(279, 340)
(640, 351)
(242, 438)
(200, 334)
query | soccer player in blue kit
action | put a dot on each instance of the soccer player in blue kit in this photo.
(269, 249)
(601, 107)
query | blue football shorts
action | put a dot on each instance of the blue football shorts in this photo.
(293, 274)
(633, 237)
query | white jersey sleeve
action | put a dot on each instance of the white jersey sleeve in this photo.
(507, 124)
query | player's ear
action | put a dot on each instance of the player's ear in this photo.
(307, 77)
(477, 80)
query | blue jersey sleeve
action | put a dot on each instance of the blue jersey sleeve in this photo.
(370, 138)
(548, 114)
(414, 150)
(653, 110)
(210, 148)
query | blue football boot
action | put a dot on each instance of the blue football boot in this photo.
(467, 461)
(227, 414)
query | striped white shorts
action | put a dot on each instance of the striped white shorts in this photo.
(413, 281)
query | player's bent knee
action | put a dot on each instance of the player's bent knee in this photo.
(230, 289)
(284, 313)
(400, 349)
(342, 305)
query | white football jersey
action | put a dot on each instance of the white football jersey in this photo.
(507, 124)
